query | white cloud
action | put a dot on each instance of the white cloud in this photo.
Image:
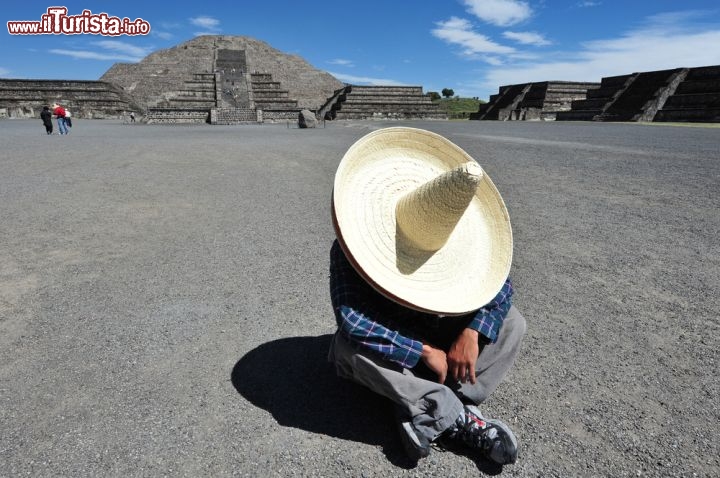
(170, 25)
(123, 47)
(665, 41)
(161, 34)
(363, 80)
(527, 38)
(110, 50)
(92, 55)
(209, 23)
(4, 72)
(458, 31)
(341, 62)
(499, 12)
(588, 4)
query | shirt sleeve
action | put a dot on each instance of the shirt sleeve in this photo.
(356, 304)
(489, 318)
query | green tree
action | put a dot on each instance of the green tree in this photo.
(448, 92)
(434, 95)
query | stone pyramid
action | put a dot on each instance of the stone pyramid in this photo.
(162, 74)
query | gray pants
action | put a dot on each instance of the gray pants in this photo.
(434, 407)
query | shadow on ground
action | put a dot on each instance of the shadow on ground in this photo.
(292, 379)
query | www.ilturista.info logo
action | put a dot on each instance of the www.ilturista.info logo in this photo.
(57, 22)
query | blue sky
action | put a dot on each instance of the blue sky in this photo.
(471, 46)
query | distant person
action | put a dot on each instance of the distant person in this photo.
(132, 116)
(68, 118)
(59, 113)
(46, 117)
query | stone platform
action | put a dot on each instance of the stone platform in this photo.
(85, 99)
(696, 99)
(532, 101)
(680, 94)
(380, 102)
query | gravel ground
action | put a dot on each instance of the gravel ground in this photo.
(164, 306)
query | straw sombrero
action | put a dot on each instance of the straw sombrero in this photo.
(421, 222)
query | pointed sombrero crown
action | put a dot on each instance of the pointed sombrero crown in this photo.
(421, 221)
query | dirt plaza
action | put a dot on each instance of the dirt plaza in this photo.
(164, 305)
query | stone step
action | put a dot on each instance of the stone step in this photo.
(614, 81)
(604, 92)
(280, 115)
(704, 73)
(37, 89)
(589, 104)
(341, 115)
(389, 109)
(571, 87)
(188, 104)
(697, 100)
(386, 91)
(275, 105)
(190, 94)
(265, 85)
(200, 86)
(577, 115)
(62, 95)
(271, 94)
(699, 86)
(422, 100)
(700, 115)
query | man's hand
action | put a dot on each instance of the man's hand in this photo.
(462, 356)
(436, 360)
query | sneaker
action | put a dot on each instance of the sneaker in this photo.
(416, 447)
(492, 439)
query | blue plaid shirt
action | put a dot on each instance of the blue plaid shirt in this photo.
(373, 322)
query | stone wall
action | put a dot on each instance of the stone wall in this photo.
(381, 102)
(85, 99)
(177, 115)
(234, 116)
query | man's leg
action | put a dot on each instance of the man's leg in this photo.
(496, 359)
(431, 406)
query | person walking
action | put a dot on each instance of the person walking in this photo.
(46, 117)
(59, 113)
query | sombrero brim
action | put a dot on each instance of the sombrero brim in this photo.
(467, 272)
